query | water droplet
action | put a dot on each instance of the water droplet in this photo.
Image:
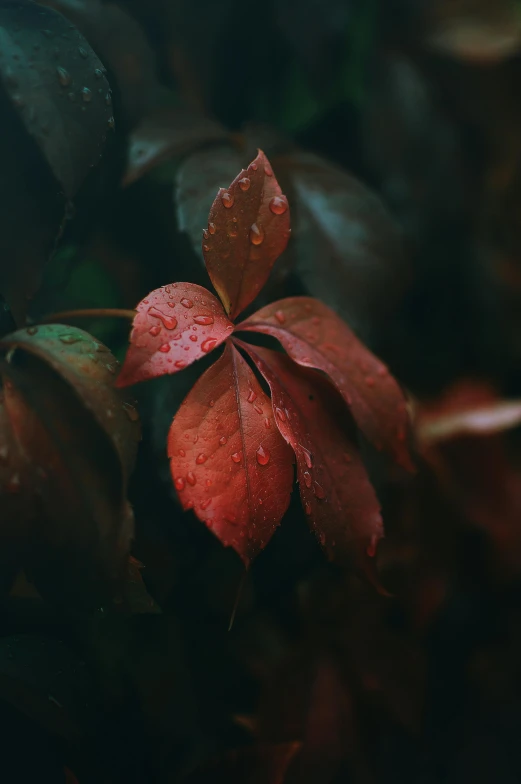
(98, 73)
(263, 456)
(170, 322)
(111, 123)
(206, 234)
(208, 345)
(222, 440)
(267, 424)
(203, 320)
(179, 483)
(69, 338)
(187, 303)
(252, 396)
(208, 483)
(307, 457)
(180, 364)
(18, 101)
(227, 199)
(322, 538)
(256, 234)
(131, 412)
(281, 415)
(32, 330)
(200, 459)
(193, 338)
(188, 505)
(307, 478)
(86, 94)
(165, 348)
(211, 403)
(206, 504)
(244, 184)
(83, 52)
(211, 228)
(190, 478)
(278, 205)
(371, 547)
(319, 491)
(108, 99)
(307, 508)
(182, 453)
(64, 77)
(268, 170)
(232, 232)
(258, 408)
(206, 248)
(252, 167)
(236, 457)
(315, 320)
(279, 315)
(47, 33)
(154, 331)
(382, 371)
(369, 381)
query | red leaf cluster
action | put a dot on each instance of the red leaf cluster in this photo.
(231, 449)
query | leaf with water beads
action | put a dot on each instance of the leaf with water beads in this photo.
(314, 336)
(228, 460)
(248, 229)
(173, 326)
(336, 493)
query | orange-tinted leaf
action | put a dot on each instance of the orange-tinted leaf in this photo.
(174, 326)
(314, 336)
(337, 497)
(228, 461)
(248, 229)
(89, 368)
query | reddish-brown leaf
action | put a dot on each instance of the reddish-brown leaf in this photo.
(174, 326)
(337, 497)
(314, 336)
(228, 461)
(248, 229)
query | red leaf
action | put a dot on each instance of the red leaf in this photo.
(337, 496)
(247, 231)
(174, 326)
(228, 460)
(314, 336)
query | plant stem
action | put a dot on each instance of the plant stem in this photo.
(67, 315)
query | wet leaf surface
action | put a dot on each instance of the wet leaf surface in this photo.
(58, 87)
(339, 502)
(228, 461)
(248, 229)
(174, 326)
(314, 336)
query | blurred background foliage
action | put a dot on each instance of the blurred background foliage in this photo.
(394, 127)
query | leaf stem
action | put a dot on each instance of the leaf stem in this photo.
(67, 315)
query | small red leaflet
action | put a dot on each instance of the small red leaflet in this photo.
(231, 448)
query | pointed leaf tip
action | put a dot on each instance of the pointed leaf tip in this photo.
(248, 229)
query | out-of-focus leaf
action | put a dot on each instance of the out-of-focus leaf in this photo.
(261, 764)
(198, 180)
(121, 43)
(174, 326)
(476, 31)
(165, 133)
(346, 247)
(314, 336)
(228, 460)
(58, 87)
(248, 229)
(54, 124)
(336, 494)
(71, 441)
